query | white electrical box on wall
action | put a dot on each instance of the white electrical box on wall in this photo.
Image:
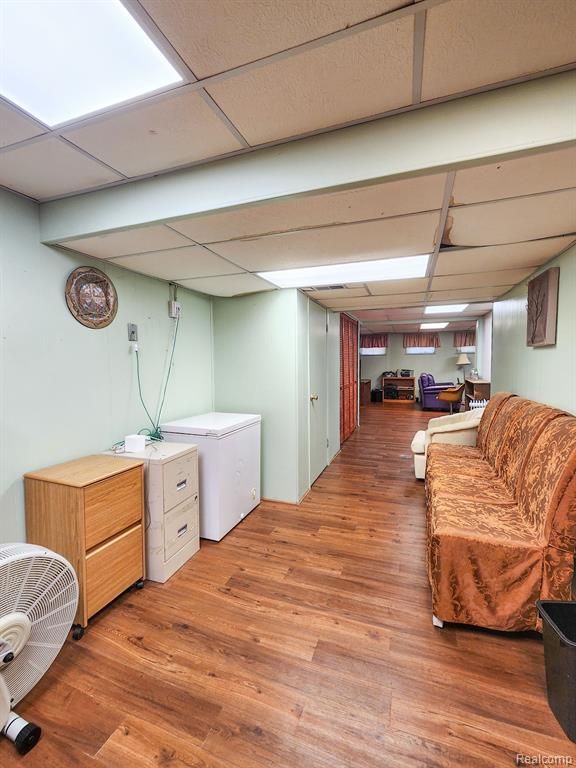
(172, 506)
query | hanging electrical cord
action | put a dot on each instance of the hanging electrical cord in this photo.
(154, 433)
(177, 324)
(140, 390)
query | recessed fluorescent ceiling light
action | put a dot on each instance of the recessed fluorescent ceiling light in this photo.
(432, 326)
(445, 309)
(354, 272)
(62, 59)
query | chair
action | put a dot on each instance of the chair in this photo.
(458, 429)
(452, 395)
(429, 390)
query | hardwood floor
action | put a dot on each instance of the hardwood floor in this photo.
(302, 640)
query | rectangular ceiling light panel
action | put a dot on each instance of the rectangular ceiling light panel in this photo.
(63, 59)
(432, 326)
(354, 272)
(445, 309)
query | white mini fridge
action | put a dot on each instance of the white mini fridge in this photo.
(229, 466)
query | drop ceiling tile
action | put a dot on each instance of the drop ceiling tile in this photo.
(217, 35)
(402, 313)
(129, 241)
(176, 130)
(496, 257)
(228, 285)
(178, 264)
(543, 172)
(471, 43)
(478, 308)
(375, 302)
(352, 78)
(15, 126)
(398, 286)
(387, 238)
(339, 293)
(372, 202)
(373, 315)
(49, 167)
(481, 279)
(513, 220)
(468, 294)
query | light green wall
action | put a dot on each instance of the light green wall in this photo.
(255, 371)
(545, 374)
(66, 390)
(442, 364)
(261, 365)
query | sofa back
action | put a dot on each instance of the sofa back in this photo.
(426, 380)
(547, 491)
(498, 427)
(524, 427)
(494, 404)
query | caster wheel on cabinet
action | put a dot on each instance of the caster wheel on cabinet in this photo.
(139, 584)
(77, 632)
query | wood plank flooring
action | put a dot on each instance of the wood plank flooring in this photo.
(302, 640)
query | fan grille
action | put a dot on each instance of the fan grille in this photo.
(43, 586)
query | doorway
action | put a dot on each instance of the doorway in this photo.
(348, 376)
(317, 346)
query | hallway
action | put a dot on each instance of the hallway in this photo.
(302, 640)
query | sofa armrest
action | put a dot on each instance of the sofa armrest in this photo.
(465, 433)
(465, 417)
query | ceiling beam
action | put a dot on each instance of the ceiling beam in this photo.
(511, 122)
(418, 56)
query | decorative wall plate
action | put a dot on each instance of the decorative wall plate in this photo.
(91, 297)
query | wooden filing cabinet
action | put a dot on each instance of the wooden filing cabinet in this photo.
(172, 506)
(91, 511)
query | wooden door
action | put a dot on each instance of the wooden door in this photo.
(348, 376)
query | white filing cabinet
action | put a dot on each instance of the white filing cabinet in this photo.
(172, 508)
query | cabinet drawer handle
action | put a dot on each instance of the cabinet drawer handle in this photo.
(182, 531)
(182, 484)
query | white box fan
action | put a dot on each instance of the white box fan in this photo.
(38, 601)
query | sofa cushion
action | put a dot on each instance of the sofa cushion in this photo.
(508, 413)
(453, 461)
(494, 404)
(473, 488)
(520, 434)
(547, 491)
(480, 520)
(427, 380)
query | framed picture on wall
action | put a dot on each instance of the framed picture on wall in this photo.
(543, 309)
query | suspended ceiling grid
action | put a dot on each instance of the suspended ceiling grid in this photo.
(257, 74)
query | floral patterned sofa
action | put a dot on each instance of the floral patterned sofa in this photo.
(501, 517)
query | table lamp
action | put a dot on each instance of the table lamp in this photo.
(462, 362)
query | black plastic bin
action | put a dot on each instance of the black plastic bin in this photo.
(376, 396)
(559, 624)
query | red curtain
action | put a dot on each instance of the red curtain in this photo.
(348, 376)
(371, 340)
(421, 340)
(465, 338)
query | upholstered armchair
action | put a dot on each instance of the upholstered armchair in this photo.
(429, 390)
(457, 429)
